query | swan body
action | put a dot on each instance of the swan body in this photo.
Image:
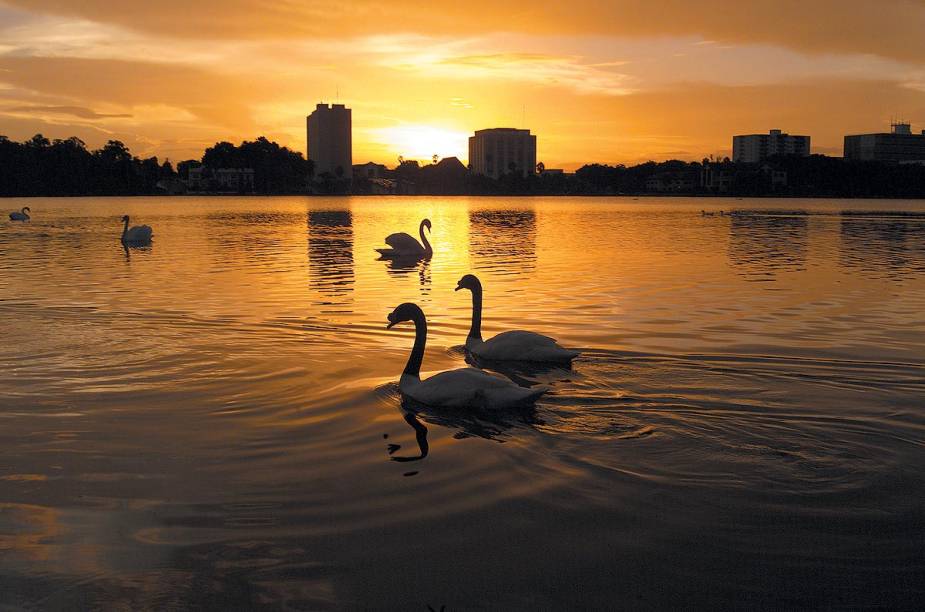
(22, 215)
(404, 246)
(139, 234)
(461, 388)
(515, 345)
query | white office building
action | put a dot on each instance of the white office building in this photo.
(755, 148)
(500, 151)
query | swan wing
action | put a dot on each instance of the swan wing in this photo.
(403, 242)
(520, 345)
(139, 233)
(470, 388)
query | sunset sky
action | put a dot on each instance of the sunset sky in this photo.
(606, 81)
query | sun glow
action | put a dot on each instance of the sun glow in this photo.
(422, 142)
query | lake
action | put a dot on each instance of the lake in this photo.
(214, 422)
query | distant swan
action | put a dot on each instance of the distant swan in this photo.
(461, 388)
(140, 234)
(515, 345)
(404, 246)
(22, 215)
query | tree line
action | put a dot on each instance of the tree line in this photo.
(43, 167)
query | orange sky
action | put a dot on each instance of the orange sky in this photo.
(616, 81)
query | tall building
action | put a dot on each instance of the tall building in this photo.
(755, 148)
(900, 145)
(330, 143)
(497, 151)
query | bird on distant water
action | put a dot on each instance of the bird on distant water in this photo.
(514, 345)
(460, 388)
(138, 235)
(404, 246)
(22, 215)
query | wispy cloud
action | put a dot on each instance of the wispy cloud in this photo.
(76, 111)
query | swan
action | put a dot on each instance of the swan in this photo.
(404, 246)
(22, 215)
(515, 345)
(140, 234)
(461, 388)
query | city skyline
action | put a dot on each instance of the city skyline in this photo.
(620, 83)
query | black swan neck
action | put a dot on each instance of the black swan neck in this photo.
(476, 330)
(413, 367)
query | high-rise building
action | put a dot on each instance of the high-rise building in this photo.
(499, 151)
(900, 145)
(755, 148)
(330, 143)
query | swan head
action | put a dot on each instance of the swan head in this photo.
(470, 282)
(125, 218)
(26, 209)
(404, 312)
(426, 223)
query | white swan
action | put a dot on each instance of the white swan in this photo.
(22, 215)
(462, 388)
(516, 345)
(140, 234)
(404, 246)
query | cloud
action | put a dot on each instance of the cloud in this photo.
(212, 97)
(76, 111)
(888, 28)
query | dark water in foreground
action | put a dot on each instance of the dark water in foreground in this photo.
(206, 422)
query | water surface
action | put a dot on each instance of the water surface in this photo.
(213, 421)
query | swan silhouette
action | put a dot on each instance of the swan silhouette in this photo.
(22, 215)
(461, 388)
(515, 345)
(138, 235)
(404, 246)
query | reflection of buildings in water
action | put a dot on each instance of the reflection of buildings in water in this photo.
(330, 251)
(883, 246)
(763, 244)
(503, 239)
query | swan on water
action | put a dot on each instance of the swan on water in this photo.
(404, 246)
(22, 215)
(514, 345)
(461, 388)
(140, 234)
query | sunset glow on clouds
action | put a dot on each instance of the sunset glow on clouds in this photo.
(621, 81)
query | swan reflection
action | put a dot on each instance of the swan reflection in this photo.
(420, 434)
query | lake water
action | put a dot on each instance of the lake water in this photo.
(207, 422)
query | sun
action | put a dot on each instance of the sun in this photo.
(422, 142)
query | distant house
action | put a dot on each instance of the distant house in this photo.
(684, 181)
(221, 180)
(717, 177)
(448, 176)
(370, 170)
(777, 178)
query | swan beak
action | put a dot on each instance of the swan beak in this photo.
(392, 321)
(458, 287)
